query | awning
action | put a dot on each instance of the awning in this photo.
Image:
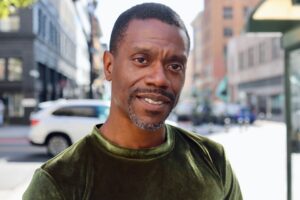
(274, 16)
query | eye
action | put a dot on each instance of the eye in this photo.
(140, 60)
(176, 67)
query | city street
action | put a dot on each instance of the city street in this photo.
(233, 65)
(18, 160)
(257, 154)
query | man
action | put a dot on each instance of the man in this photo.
(134, 155)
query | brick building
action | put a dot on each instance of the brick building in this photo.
(213, 27)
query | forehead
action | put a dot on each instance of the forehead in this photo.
(155, 32)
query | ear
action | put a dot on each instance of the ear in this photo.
(108, 65)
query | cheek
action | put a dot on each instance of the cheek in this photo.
(122, 81)
(177, 84)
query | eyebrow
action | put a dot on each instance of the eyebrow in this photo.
(146, 49)
(182, 58)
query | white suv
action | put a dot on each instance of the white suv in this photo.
(63, 122)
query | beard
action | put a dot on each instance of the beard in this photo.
(142, 124)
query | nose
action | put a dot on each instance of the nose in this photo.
(157, 76)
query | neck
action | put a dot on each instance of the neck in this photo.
(126, 134)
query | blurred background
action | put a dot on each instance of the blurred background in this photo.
(242, 85)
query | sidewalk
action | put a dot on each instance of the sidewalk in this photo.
(15, 176)
(18, 175)
(258, 156)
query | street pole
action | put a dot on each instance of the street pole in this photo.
(288, 124)
(91, 11)
(90, 46)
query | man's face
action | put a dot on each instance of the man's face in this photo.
(147, 72)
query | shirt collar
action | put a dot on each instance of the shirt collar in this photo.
(147, 153)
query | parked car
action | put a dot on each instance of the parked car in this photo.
(240, 114)
(202, 114)
(221, 113)
(59, 124)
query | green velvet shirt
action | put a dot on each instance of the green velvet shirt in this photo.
(186, 166)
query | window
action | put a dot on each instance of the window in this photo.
(277, 103)
(241, 61)
(250, 57)
(227, 32)
(77, 111)
(275, 47)
(15, 108)
(11, 69)
(10, 24)
(53, 35)
(2, 69)
(42, 24)
(14, 69)
(227, 13)
(261, 53)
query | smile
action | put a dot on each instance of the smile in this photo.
(153, 102)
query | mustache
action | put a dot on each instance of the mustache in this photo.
(159, 91)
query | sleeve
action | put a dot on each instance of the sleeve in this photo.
(232, 187)
(42, 187)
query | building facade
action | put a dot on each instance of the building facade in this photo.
(256, 73)
(37, 57)
(213, 27)
(91, 85)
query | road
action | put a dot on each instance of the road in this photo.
(14, 146)
(257, 154)
(18, 160)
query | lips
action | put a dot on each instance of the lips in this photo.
(151, 101)
(154, 98)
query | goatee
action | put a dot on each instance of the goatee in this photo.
(146, 125)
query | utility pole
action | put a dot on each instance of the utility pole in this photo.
(92, 5)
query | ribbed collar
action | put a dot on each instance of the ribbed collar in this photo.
(126, 153)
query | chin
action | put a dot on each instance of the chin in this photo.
(146, 124)
(150, 127)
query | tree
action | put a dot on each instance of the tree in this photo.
(8, 7)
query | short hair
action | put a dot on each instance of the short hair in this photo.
(144, 11)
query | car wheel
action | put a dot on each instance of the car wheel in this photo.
(56, 144)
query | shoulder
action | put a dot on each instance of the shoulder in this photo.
(212, 147)
(72, 168)
(212, 152)
(42, 187)
(214, 155)
(77, 153)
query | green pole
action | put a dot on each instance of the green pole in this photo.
(288, 124)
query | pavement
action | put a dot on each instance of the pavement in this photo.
(17, 175)
(257, 154)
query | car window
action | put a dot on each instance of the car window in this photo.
(77, 111)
